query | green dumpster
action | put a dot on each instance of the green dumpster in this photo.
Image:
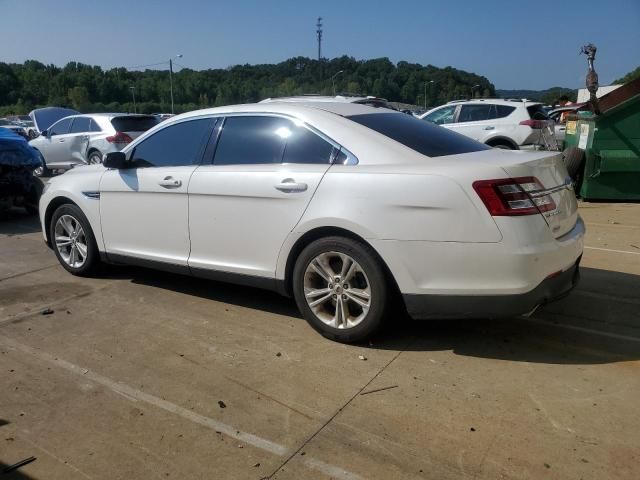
(605, 148)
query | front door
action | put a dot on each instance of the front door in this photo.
(144, 209)
(56, 144)
(243, 206)
(475, 121)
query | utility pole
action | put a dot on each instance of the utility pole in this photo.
(427, 83)
(133, 93)
(171, 78)
(319, 32)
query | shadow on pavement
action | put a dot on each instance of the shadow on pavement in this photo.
(598, 323)
(17, 221)
(14, 474)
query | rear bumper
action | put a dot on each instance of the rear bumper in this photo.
(492, 306)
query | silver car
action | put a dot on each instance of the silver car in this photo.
(85, 139)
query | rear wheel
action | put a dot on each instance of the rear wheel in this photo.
(341, 288)
(504, 145)
(73, 241)
(95, 157)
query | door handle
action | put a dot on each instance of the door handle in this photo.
(61, 140)
(489, 128)
(170, 182)
(289, 185)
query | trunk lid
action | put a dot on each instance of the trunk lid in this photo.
(550, 170)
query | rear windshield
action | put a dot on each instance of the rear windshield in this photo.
(134, 124)
(537, 112)
(423, 137)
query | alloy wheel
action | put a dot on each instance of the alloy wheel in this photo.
(71, 241)
(337, 290)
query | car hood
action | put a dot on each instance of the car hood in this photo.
(43, 118)
(16, 152)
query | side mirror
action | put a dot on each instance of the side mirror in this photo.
(44, 133)
(116, 160)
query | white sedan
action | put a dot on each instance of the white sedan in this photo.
(343, 206)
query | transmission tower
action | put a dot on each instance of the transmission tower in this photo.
(319, 32)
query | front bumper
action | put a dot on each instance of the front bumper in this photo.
(422, 307)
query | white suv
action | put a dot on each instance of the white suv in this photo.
(508, 124)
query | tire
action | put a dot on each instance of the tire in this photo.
(42, 170)
(503, 145)
(72, 217)
(94, 158)
(574, 161)
(367, 277)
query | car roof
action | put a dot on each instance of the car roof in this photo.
(339, 108)
(325, 98)
(497, 101)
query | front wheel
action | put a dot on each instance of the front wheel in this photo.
(341, 288)
(73, 241)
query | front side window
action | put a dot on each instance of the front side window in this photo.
(177, 145)
(476, 113)
(61, 127)
(423, 137)
(80, 125)
(442, 115)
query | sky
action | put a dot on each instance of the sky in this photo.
(515, 44)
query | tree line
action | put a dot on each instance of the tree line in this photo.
(89, 88)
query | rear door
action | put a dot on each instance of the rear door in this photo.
(550, 170)
(475, 121)
(79, 137)
(242, 207)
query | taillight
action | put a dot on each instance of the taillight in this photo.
(119, 137)
(535, 124)
(514, 196)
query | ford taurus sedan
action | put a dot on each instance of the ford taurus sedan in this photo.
(343, 206)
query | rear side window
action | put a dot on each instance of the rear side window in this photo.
(94, 127)
(421, 136)
(80, 125)
(504, 111)
(476, 113)
(177, 145)
(247, 140)
(252, 140)
(304, 146)
(536, 112)
(134, 124)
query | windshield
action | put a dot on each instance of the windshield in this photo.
(134, 124)
(423, 137)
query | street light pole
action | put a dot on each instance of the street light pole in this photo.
(133, 93)
(425, 91)
(473, 88)
(171, 78)
(333, 83)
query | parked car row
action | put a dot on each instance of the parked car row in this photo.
(85, 139)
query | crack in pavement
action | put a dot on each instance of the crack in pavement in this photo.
(313, 463)
(16, 275)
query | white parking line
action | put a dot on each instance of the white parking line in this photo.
(135, 394)
(591, 331)
(611, 250)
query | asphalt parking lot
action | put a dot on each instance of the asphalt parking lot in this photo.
(140, 374)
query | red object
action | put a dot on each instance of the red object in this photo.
(535, 124)
(119, 137)
(513, 196)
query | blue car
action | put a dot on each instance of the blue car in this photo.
(18, 160)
